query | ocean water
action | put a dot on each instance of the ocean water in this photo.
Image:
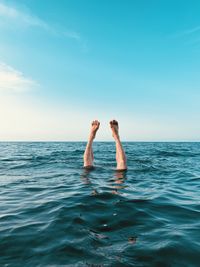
(55, 213)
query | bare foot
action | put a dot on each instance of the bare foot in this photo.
(115, 129)
(94, 128)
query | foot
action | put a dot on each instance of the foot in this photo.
(115, 129)
(94, 129)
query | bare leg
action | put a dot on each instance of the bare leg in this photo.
(120, 155)
(88, 154)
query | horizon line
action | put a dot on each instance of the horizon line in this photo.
(99, 141)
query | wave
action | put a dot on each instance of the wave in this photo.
(167, 153)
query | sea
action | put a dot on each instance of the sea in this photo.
(55, 213)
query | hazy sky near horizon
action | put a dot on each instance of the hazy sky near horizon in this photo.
(65, 63)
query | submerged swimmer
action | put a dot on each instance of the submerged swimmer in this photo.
(120, 155)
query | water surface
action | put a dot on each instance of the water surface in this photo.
(55, 213)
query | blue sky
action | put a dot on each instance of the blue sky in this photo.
(65, 63)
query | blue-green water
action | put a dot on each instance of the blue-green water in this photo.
(54, 213)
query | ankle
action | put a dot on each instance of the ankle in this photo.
(91, 137)
(116, 137)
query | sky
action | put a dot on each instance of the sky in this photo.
(66, 63)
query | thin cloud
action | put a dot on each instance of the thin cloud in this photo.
(193, 30)
(188, 32)
(189, 36)
(12, 80)
(72, 34)
(26, 19)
